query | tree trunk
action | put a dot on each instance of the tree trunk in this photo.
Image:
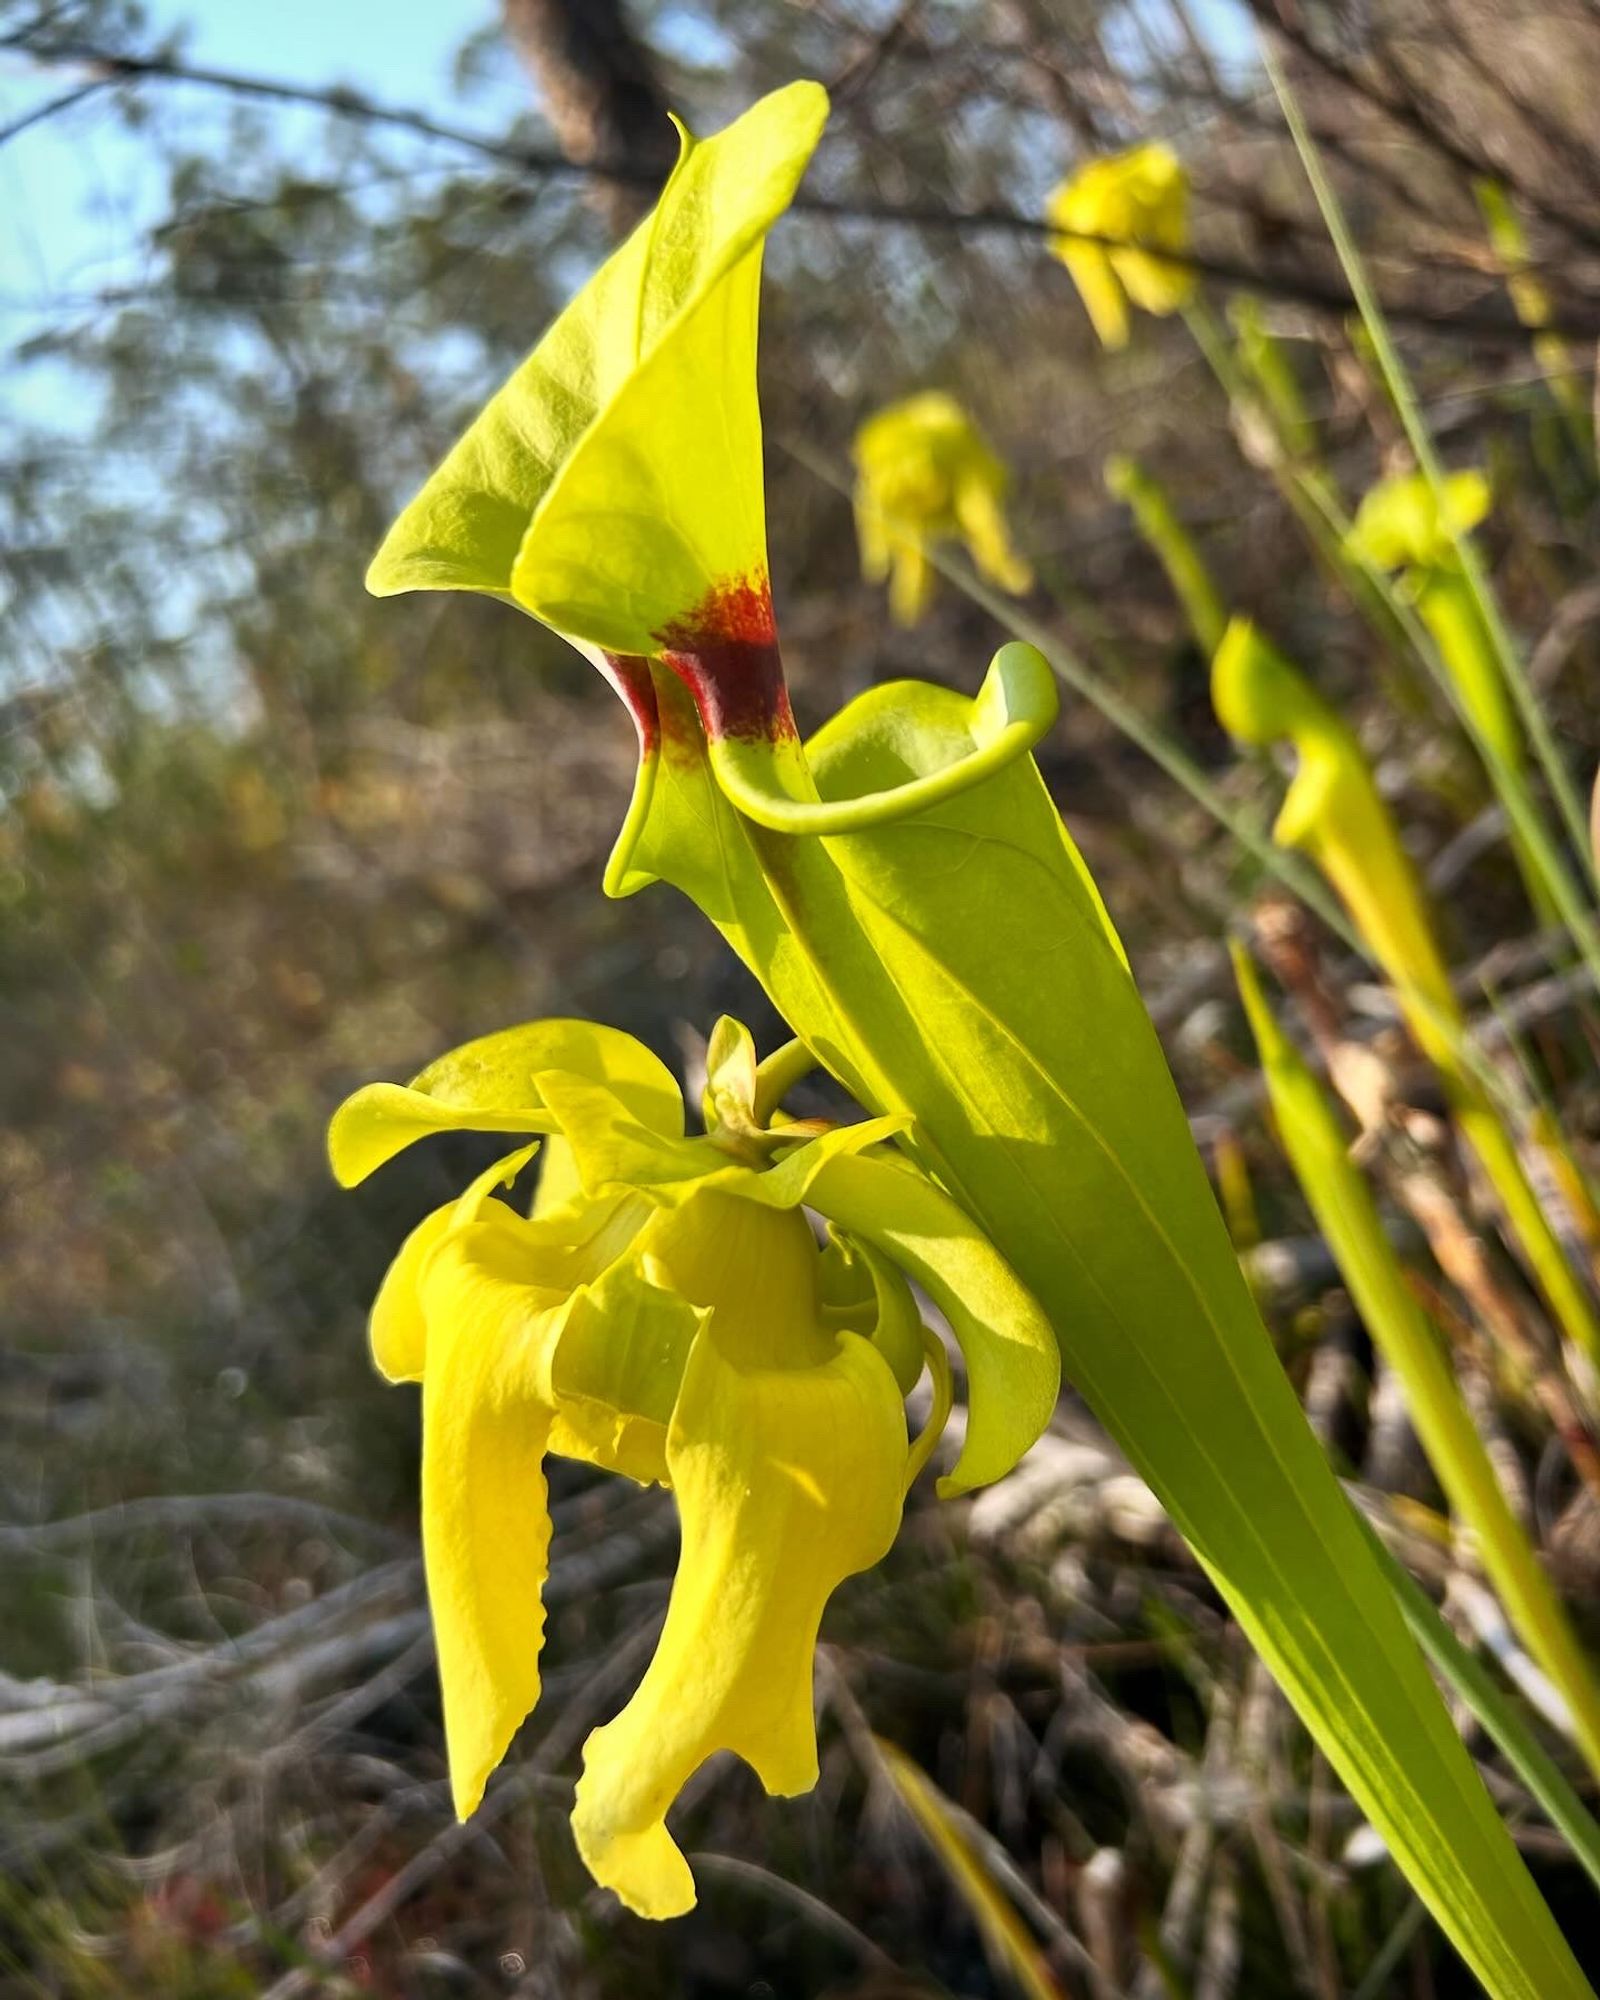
(597, 85)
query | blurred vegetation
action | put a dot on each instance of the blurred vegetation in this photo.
(264, 838)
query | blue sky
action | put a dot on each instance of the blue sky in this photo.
(74, 190)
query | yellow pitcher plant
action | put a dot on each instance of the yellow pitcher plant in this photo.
(902, 885)
(924, 474)
(1401, 526)
(1334, 812)
(1139, 202)
(665, 1313)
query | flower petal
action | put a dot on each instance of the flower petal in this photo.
(1400, 522)
(615, 1372)
(1100, 289)
(787, 1482)
(911, 582)
(485, 1521)
(1140, 196)
(397, 1328)
(983, 523)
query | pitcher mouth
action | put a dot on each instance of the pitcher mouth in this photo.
(717, 699)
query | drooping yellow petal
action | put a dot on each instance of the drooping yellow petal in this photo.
(1100, 290)
(787, 1481)
(984, 526)
(485, 1521)
(397, 1329)
(910, 582)
(872, 536)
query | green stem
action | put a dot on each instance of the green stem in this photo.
(1447, 608)
(1202, 603)
(1348, 1216)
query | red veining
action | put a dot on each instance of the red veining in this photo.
(630, 676)
(726, 653)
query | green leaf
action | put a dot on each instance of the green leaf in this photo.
(1500, 1716)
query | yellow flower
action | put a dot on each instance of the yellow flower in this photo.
(924, 475)
(666, 1313)
(1400, 525)
(1137, 197)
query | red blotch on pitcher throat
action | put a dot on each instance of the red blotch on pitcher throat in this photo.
(726, 653)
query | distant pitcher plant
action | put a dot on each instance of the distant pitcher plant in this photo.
(903, 886)
(1138, 202)
(924, 474)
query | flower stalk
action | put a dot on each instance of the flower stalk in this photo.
(1186, 570)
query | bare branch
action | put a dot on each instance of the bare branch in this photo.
(1300, 287)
